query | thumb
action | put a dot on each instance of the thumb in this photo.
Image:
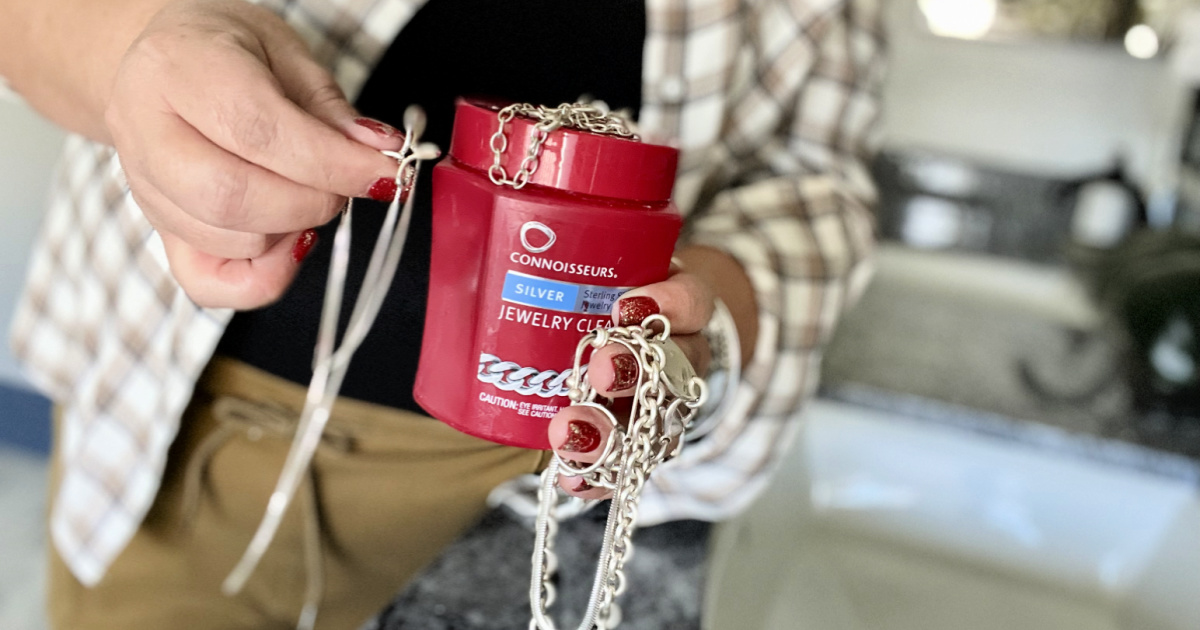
(310, 86)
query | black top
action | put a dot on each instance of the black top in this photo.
(535, 51)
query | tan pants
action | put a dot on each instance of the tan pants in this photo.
(390, 490)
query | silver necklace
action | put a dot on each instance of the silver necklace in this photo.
(581, 116)
(666, 399)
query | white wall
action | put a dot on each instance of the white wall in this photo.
(28, 148)
(1034, 106)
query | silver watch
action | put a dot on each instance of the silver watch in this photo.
(724, 371)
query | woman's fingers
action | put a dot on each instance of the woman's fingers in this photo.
(165, 216)
(249, 115)
(578, 434)
(245, 109)
(235, 143)
(225, 112)
(306, 83)
(220, 189)
(684, 299)
(240, 284)
(613, 370)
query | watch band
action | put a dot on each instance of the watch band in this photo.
(724, 370)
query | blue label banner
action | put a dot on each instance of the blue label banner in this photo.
(555, 295)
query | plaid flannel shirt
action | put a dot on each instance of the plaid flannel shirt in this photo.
(771, 103)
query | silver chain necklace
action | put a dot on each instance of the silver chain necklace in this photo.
(666, 399)
(579, 116)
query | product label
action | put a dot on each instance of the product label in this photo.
(561, 266)
(555, 295)
(521, 407)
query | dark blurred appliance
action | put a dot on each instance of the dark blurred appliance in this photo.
(1151, 286)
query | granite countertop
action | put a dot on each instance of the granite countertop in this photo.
(1003, 347)
(482, 581)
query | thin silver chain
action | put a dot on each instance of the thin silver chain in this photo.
(579, 116)
(668, 394)
(332, 354)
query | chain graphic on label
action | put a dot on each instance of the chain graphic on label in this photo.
(527, 381)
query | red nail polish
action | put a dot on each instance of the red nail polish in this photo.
(625, 372)
(384, 189)
(582, 437)
(380, 128)
(631, 311)
(583, 486)
(304, 245)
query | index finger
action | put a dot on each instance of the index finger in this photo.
(683, 298)
(248, 114)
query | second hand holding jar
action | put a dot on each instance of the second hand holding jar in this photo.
(542, 219)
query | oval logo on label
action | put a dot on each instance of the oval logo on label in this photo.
(534, 226)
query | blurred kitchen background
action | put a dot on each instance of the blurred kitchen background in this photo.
(1008, 432)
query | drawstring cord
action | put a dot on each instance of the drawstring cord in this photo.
(330, 363)
(237, 415)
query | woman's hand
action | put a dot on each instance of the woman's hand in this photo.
(686, 299)
(235, 142)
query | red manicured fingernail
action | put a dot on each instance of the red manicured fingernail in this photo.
(304, 245)
(384, 189)
(583, 486)
(631, 311)
(582, 437)
(625, 372)
(380, 128)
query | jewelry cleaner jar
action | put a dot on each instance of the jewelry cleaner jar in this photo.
(542, 219)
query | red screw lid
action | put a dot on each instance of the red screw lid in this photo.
(571, 160)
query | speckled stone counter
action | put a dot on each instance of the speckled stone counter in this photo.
(1001, 347)
(482, 581)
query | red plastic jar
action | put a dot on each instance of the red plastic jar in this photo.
(517, 277)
